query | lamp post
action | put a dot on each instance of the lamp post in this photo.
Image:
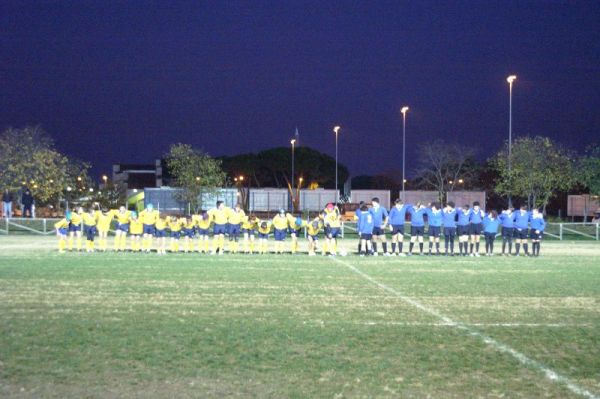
(510, 81)
(293, 143)
(337, 192)
(404, 110)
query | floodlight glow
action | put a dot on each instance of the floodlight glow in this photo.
(336, 129)
(404, 110)
(511, 78)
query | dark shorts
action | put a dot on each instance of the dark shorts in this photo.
(89, 231)
(434, 231)
(62, 231)
(73, 227)
(280, 234)
(366, 236)
(476, 229)
(202, 232)
(219, 229)
(263, 235)
(149, 229)
(417, 230)
(124, 227)
(508, 232)
(234, 229)
(378, 231)
(189, 233)
(334, 232)
(462, 230)
(521, 234)
(250, 232)
(397, 229)
(449, 231)
(536, 236)
(295, 232)
(489, 236)
(160, 233)
(314, 238)
(176, 234)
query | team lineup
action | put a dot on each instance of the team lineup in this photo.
(206, 232)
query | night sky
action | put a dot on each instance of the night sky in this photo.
(119, 81)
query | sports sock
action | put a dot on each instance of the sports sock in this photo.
(393, 247)
(421, 247)
(374, 247)
(517, 248)
(399, 246)
(526, 249)
(410, 247)
(471, 248)
(437, 247)
(430, 246)
(477, 247)
(384, 246)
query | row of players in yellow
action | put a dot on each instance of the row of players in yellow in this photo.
(151, 229)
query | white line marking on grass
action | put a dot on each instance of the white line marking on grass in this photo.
(499, 346)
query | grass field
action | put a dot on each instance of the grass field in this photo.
(140, 325)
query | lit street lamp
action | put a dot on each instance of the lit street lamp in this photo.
(510, 81)
(293, 143)
(404, 110)
(337, 192)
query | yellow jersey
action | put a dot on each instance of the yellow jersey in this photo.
(175, 224)
(136, 227)
(280, 222)
(249, 224)
(122, 217)
(104, 220)
(149, 217)
(89, 220)
(61, 224)
(333, 218)
(291, 221)
(311, 229)
(161, 223)
(235, 217)
(188, 224)
(203, 224)
(264, 230)
(219, 216)
(76, 218)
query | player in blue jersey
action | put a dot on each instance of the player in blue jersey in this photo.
(506, 220)
(538, 225)
(476, 219)
(397, 219)
(449, 222)
(380, 219)
(366, 227)
(417, 226)
(521, 220)
(490, 230)
(434, 220)
(462, 229)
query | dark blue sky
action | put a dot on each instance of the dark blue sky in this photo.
(118, 81)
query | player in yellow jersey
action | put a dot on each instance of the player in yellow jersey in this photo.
(175, 224)
(136, 228)
(62, 227)
(75, 228)
(264, 228)
(123, 217)
(218, 216)
(89, 228)
(189, 231)
(249, 226)
(296, 224)
(161, 235)
(280, 225)
(313, 228)
(202, 225)
(104, 219)
(148, 218)
(235, 217)
(333, 223)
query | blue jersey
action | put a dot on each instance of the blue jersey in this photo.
(463, 217)
(538, 223)
(449, 218)
(491, 225)
(416, 216)
(521, 219)
(397, 216)
(366, 223)
(476, 216)
(379, 215)
(434, 218)
(507, 220)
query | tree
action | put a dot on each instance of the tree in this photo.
(539, 168)
(444, 166)
(195, 172)
(588, 173)
(28, 158)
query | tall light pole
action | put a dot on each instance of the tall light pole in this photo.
(510, 81)
(293, 143)
(337, 191)
(404, 110)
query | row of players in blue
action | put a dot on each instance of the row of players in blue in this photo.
(467, 223)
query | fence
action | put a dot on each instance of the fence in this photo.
(316, 200)
(265, 200)
(165, 199)
(356, 196)
(558, 231)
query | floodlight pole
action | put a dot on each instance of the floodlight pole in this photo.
(510, 81)
(404, 110)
